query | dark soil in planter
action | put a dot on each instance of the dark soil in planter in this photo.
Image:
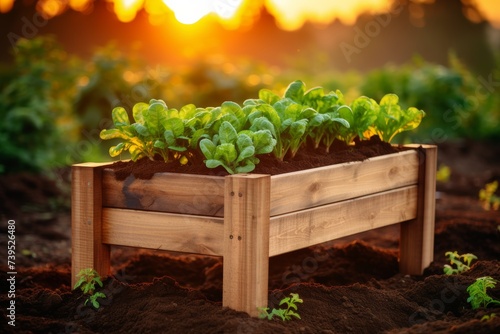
(351, 285)
(305, 159)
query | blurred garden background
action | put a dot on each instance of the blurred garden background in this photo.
(64, 64)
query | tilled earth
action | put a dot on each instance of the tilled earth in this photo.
(347, 286)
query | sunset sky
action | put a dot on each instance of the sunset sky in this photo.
(289, 14)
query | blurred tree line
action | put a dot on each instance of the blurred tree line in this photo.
(53, 105)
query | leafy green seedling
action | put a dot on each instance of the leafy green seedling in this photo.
(488, 317)
(488, 198)
(234, 151)
(454, 258)
(284, 314)
(87, 280)
(478, 297)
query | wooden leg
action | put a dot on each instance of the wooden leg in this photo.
(88, 251)
(416, 245)
(246, 242)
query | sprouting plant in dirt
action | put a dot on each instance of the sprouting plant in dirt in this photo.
(488, 317)
(284, 314)
(488, 198)
(87, 280)
(455, 259)
(478, 297)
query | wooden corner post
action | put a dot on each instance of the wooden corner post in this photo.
(88, 251)
(416, 244)
(246, 242)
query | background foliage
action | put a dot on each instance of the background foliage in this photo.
(53, 105)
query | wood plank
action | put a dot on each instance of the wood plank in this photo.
(166, 192)
(158, 230)
(246, 242)
(88, 249)
(319, 186)
(416, 246)
(309, 227)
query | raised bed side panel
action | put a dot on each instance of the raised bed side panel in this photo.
(166, 192)
(165, 231)
(416, 244)
(309, 227)
(330, 184)
(88, 250)
(246, 242)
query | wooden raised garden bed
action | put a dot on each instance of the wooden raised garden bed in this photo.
(247, 218)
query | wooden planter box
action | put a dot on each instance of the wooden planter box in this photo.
(248, 218)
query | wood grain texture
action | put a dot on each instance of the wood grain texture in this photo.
(416, 246)
(165, 231)
(324, 185)
(166, 192)
(88, 249)
(246, 242)
(316, 225)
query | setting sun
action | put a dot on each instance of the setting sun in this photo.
(289, 14)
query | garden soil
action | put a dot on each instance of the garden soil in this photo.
(350, 285)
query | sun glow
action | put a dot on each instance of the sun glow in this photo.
(289, 14)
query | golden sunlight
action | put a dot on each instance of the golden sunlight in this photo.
(6, 5)
(490, 10)
(191, 11)
(291, 15)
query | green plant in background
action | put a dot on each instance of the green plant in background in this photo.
(454, 258)
(36, 121)
(284, 314)
(449, 95)
(488, 198)
(87, 281)
(478, 296)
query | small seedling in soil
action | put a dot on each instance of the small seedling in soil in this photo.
(455, 260)
(488, 317)
(478, 295)
(87, 280)
(488, 198)
(284, 314)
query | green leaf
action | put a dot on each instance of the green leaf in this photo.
(263, 142)
(141, 129)
(208, 149)
(295, 91)
(250, 166)
(120, 117)
(175, 125)
(138, 112)
(115, 151)
(268, 96)
(226, 152)
(160, 144)
(227, 133)
(154, 117)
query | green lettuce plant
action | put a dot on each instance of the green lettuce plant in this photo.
(234, 151)
(232, 136)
